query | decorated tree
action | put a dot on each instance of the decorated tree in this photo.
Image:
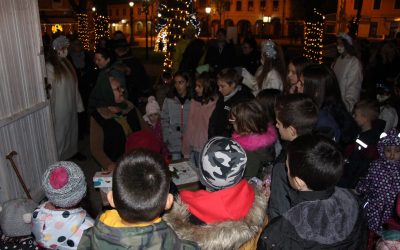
(80, 9)
(101, 21)
(173, 18)
(313, 35)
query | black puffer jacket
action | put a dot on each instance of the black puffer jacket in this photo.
(318, 220)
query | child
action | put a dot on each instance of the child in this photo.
(174, 115)
(382, 183)
(201, 108)
(363, 151)
(296, 115)
(59, 222)
(230, 212)
(271, 73)
(232, 92)
(256, 135)
(139, 195)
(163, 86)
(295, 68)
(387, 111)
(321, 216)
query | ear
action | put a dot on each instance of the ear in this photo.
(170, 201)
(110, 199)
(292, 131)
(300, 184)
(108, 60)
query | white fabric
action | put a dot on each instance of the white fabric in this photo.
(272, 81)
(389, 115)
(65, 103)
(348, 70)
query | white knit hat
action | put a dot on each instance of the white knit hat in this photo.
(152, 107)
(64, 184)
(346, 37)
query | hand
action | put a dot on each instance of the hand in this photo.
(111, 167)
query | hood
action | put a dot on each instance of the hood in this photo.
(256, 141)
(391, 138)
(222, 235)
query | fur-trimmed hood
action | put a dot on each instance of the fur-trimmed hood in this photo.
(225, 235)
(256, 141)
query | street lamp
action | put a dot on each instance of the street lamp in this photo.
(208, 11)
(93, 9)
(131, 40)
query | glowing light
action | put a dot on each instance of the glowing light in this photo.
(56, 27)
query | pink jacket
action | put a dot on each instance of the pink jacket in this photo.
(196, 133)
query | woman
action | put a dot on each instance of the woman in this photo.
(271, 73)
(65, 100)
(113, 120)
(348, 70)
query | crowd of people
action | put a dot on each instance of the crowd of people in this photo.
(290, 156)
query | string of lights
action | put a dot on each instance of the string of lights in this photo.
(101, 29)
(313, 37)
(83, 35)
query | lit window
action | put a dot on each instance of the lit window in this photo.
(238, 6)
(250, 6)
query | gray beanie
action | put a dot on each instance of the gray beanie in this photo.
(222, 163)
(64, 184)
(16, 216)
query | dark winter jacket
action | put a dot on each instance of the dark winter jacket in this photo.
(154, 236)
(219, 124)
(330, 219)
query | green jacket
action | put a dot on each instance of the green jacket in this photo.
(156, 236)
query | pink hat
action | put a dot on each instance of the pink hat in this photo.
(152, 107)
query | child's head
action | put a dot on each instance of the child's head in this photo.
(16, 217)
(152, 111)
(365, 111)
(64, 184)
(314, 163)
(383, 92)
(140, 187)
(295, 68)
(267, 98)
(222, 163)
(206, 87)
(389, 145)
(228, 80)
(248, 117)
(296, 115)
(271, 58)
(182, 83)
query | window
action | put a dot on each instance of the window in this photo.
(250, 6)
(124, 12)
(275, 5)
(227, 6)
(202, 3)
(377, 4)
(397, 4)
(373, 28)
(238, 5)
(263, 3)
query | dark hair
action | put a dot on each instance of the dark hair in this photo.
(230, 76)
(106, 54)
(185, 75)
(249, 117)
(140, 186)
(299, 63)
(221, 31)
(53, 58)
(277, 63)
(350, 49)
(251, 41)
(298, 111)
(209, 84)
(321, 84)
(368, 108)
(267, 98)
(316, 160)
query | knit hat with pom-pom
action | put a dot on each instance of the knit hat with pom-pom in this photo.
(64, 184)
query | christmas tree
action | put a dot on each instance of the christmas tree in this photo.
(173, 18)
(313, 35)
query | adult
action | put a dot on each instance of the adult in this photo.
(271, 73)
(348, 70)
(113, 120)
(137, 80)
(250, 58)
(188, 35)
(220, 53)
(65, 101)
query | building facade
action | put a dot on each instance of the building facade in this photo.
(379, 18)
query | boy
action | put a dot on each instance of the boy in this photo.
(296, 114)
(233, 92)
(363, 151)
(230, 212)
(139, 195)
(321, 216)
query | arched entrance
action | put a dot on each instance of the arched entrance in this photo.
(244, 28)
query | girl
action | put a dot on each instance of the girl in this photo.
(113, 120)
(271, 73)
(295, 68)
(174, 115)
(382, 183)
(201, 108)
(256, 135)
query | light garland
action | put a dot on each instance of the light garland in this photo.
(313, 37)
(83, 35)
(101, 29)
